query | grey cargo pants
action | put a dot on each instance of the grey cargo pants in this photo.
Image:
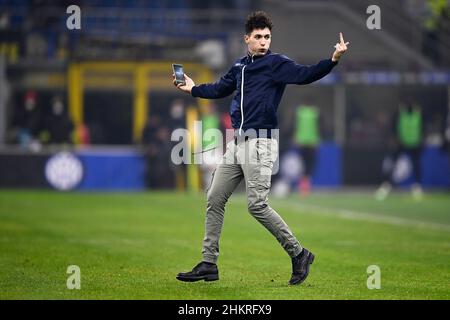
(253, 160)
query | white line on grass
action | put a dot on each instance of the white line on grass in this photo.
(363, 216)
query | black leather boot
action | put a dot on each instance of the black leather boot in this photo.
(300, 266)
(202, 271)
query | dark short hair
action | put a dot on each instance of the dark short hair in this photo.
(257, 20)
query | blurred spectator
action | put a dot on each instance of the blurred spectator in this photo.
(57, 124)
(408, 131)
(177, 114)
(161, 170)
(27, 122)
(150, 128)
(157, 146)
(4, 20)
(149, 140)
(438, 11)
(82, 135)
(307, 138)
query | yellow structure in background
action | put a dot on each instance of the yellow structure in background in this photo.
(141, 78)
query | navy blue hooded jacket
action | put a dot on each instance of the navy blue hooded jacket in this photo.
(260, 82)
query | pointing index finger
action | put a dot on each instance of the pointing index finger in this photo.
(342, 38)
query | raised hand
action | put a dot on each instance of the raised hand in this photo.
(340, 47)
(187, 87)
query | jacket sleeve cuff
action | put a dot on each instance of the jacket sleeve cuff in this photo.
(194, 91)
(334, 63)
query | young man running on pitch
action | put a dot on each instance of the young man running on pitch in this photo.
(259, 80)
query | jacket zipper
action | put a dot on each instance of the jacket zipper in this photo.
(242, 99)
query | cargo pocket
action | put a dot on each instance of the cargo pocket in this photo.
(266, 151)
(258, 192)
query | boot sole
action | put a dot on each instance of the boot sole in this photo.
(209, 277)
(310, 262)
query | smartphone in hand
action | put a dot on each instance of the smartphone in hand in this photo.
(179, 74)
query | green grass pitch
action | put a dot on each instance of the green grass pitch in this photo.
(132, 245)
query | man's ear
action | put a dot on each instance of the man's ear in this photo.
(246, 38)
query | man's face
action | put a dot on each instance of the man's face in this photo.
(258, 42)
